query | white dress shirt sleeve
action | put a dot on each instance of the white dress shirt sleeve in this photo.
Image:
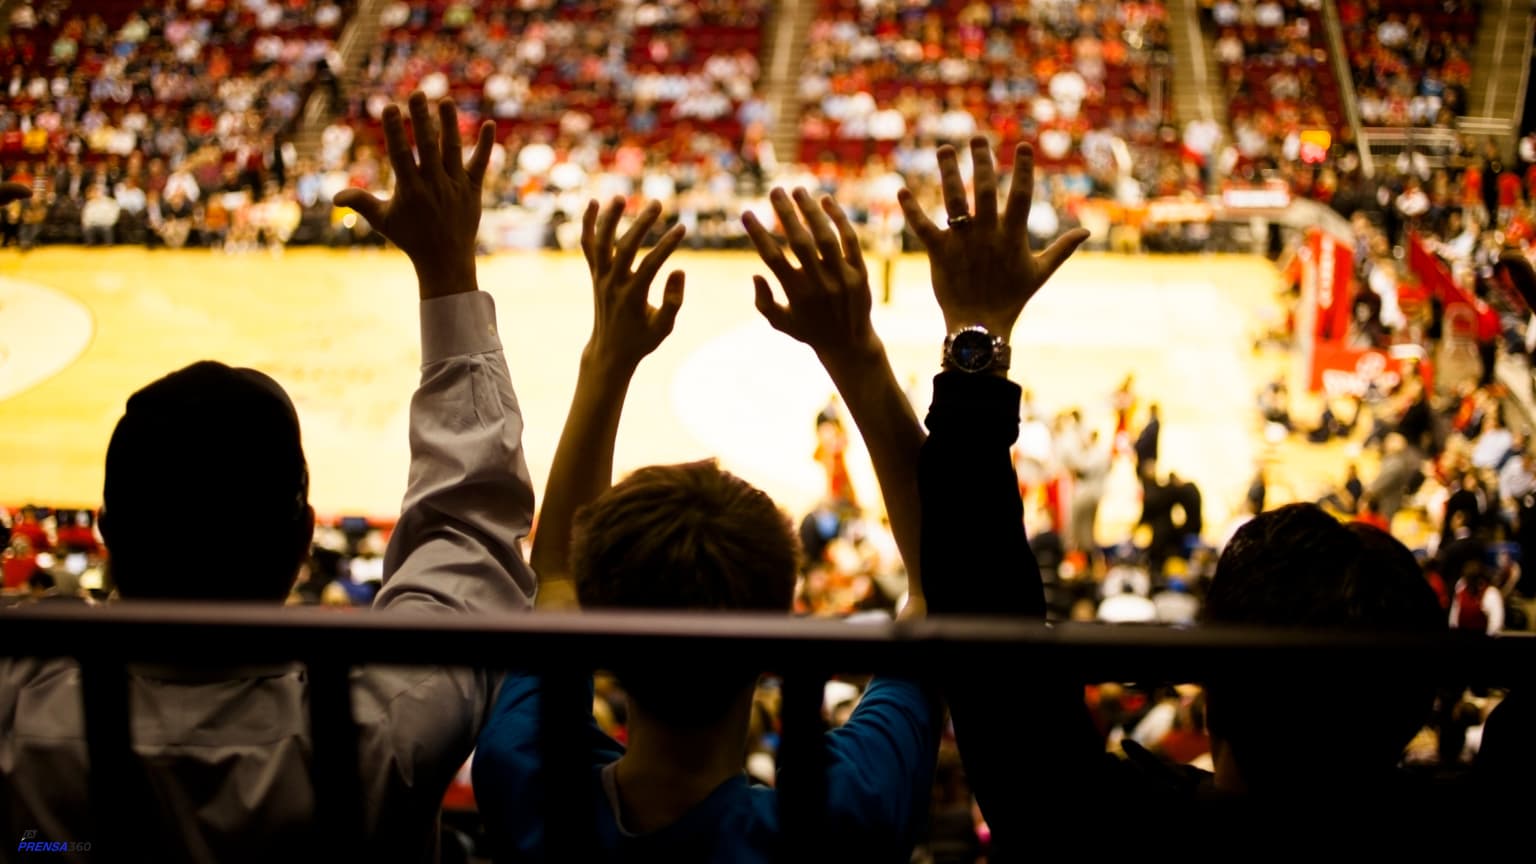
(457, 548)
(469, 502)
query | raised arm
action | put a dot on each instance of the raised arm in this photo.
(880, 764)
(828, 309)
(983, 274)
(625, 328)
(469, 501)
(509, 764)
(975, 553)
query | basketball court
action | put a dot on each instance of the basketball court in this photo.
(82, 329)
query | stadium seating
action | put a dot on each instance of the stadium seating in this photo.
(657, 76)
(877, 73)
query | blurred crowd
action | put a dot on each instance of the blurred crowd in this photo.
(58, 554)
(172, 128)
(175, 127)
(1410, 60)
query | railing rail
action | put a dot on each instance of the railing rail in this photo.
(1338, 55)
(107, 641)
(231, 634)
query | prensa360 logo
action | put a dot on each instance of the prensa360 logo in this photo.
(31, 843)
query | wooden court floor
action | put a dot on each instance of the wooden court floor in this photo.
(82, 329)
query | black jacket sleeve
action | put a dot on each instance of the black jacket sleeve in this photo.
(972, 512)
(1025, 737)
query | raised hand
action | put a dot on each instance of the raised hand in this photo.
(434, 214)
(982, 267)
(14, 192)
(828, 294)
(828, 309)
(625, 328)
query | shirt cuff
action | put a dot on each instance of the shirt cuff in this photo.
(458, 325)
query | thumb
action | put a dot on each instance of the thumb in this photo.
(1057, 253)
(368, 206)
(778, 316)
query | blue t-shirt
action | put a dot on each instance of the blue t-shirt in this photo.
(879, 775)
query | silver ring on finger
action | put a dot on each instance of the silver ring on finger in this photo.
(960, 222)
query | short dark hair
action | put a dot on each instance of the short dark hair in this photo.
(685, 537)
(1298, 567)
(221, 446)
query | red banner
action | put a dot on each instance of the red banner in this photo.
(1434, 275)
(1339, 370)
(1332, 271)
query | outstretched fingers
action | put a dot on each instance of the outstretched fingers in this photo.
(480, 160)
(928, 233)
(607, 226)
(825, 238)
(665, 316)
(453, 146)
(986, 183)
(424, 128)
(589, 234)
(650, 265)
(852, 251)
(800, 239)
(629, 244)
(1021, 192)
(952, 183)
(768, 249)
(398, 146)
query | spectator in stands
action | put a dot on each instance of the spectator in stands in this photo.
(1476, 603)
(98, 218)
(1346, 498)
(1089, 467)
(34, 214)
(1145, 447)
(234, 785)
(1400, 470)
(678, 791)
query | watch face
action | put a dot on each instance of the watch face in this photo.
(971, 351)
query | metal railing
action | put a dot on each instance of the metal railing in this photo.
(560, 648)
(1434, 145)
(1496, 63)
(1338, 55)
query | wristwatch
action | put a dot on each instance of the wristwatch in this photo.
(976, 349)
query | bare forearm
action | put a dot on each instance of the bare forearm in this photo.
(443, 278)
(583, 465)
(894, 437)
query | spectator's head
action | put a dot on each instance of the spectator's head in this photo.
(221, 446)
(685, 537)
(1298, 567)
